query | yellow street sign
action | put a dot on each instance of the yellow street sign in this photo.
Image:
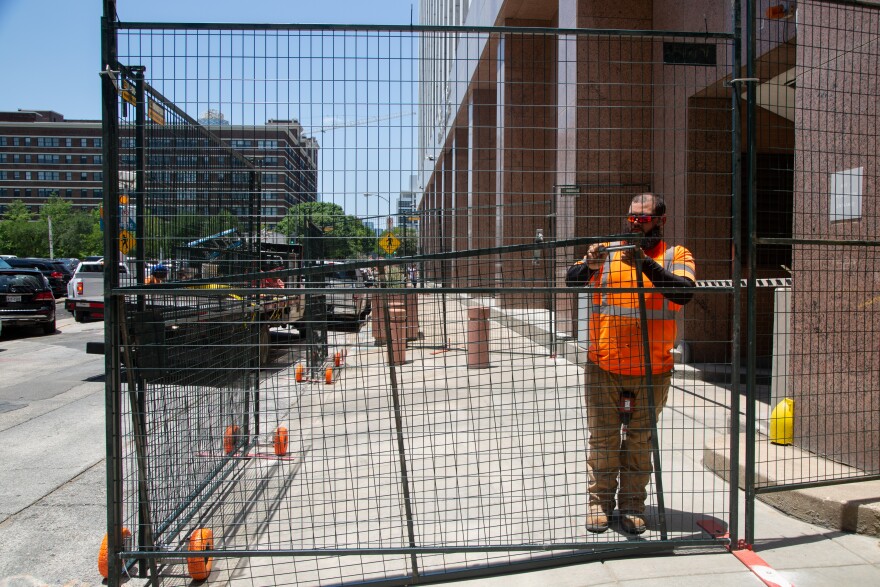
(126, 242)
(389, 242)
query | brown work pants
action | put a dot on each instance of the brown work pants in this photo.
(608, 458)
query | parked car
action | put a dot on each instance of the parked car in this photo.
(54, 271)
(26, 299)
(70, 263)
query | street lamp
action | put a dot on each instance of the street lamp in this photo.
(371, 194)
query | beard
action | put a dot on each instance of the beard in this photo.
(652, 238)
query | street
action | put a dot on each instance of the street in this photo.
(52, 483)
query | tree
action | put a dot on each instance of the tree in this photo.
(75, 233)
(409, 241)
(70, 228)
(19, 233)
(326, 227)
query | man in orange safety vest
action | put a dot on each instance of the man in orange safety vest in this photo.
(619, 456)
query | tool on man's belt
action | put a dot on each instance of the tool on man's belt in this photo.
(625, 409)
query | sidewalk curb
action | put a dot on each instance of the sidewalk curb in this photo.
(849, 507)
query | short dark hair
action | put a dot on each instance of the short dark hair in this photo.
(658, 204)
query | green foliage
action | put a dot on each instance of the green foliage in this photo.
(163, 235)
(409, 241)
(75, 233)
(19, 234)
(326, 231)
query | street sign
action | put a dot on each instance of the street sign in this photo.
(389, 242)
(126, 242)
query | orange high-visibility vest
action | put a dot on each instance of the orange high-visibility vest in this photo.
(615, 327)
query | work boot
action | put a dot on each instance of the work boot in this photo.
(633, 523)
(597, 519)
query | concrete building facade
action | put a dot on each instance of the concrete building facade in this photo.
(552, 133)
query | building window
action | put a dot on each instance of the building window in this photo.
(28, 193)
(68, 159)
(16, 175)
(69, 142)
(2, 157)
(2, 141)
(99, 176)
(68, 193)
(16, 158)
(99, 194)
(27, 141)
(3, 175)
(69, 176)
(83, 176)
(15, 142)
(27, 175)
(99, 159)
(99, 143)
(83, 143)
(83, 159)
(16, 194)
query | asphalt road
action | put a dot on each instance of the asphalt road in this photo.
(52, 482)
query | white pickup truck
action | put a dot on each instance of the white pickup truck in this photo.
(85, 291)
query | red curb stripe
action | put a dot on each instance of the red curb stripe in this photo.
(761, 569)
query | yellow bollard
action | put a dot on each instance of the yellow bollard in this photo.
(782, 422)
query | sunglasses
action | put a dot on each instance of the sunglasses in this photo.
(640, 218)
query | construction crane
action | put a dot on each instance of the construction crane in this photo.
(322, 129)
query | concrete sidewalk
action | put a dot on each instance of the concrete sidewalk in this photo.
(815, 536)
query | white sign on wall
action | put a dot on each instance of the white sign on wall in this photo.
(845, 201)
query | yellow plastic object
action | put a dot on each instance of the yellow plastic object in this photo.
(782, 422)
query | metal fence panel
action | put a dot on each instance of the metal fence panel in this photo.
(815, 364)
(407, 403)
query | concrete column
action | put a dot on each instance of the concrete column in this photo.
(481, 182)
(527, 97)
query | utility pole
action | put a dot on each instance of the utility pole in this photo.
(51, 245)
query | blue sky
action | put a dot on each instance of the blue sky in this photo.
(51, 48)
(51, 54)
